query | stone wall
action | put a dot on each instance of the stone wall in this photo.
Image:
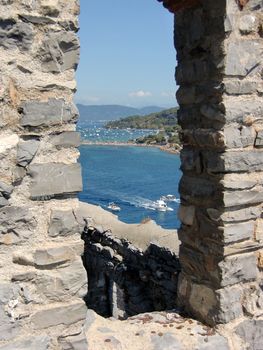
(42, 275)
(125, 280)
(219, 52)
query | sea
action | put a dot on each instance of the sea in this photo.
(130, 176)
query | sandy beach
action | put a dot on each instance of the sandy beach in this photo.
(164, 148)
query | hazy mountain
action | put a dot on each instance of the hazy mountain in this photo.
(112, 112)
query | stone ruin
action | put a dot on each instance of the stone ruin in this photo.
(43, 280)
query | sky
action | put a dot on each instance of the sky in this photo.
(127, 54)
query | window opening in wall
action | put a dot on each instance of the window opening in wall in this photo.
(129, 154)
(126, 69)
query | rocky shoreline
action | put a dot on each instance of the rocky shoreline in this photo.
(165, 148)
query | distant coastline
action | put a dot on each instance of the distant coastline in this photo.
(165, 148)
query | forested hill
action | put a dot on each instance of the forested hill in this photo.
(159, 120)
(112, 112)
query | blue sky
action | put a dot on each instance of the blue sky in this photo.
(127, 53)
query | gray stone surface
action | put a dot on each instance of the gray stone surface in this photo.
(59, 52)
(52, 112)
(64, 314)
(63, 223)
(66, 139)
(53, 256)
(3, 201)
(230, 307)
(6, 189)
(259, 139)
(41, 342)
(15, 34)
(242, 58)
(251, 331)
(77, 342)
(18, 175)
(54, 179)
(238, 269)
(16, 224)
(26, 151)
(239, 231)
(167, 341)
(247, 24)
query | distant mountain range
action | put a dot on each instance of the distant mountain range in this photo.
(112, 112)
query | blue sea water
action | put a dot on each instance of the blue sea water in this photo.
(132, 177)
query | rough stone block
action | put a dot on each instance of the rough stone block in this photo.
(3, 201)
(66, 139)
(40, 343)
(259, 139)
(26, 151)
(187, 214)
(242, 57)
(53, 112)
(238, 232)
(63, 223)
(251, 331)
(51, 257)
(229, 304)
(233, 161)
(7, 143)
(6, 189)
(238, 268)
(64, 314)
(237, 87)
(239, 137)
(15, 34)
(202, 300)
(249, 197)
(59, 52)
(243, 111)
(16, 224)
(54, 179)
(247, 24)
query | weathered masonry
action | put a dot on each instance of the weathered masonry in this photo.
(43, 280)
(220, 70)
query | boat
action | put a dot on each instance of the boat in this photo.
(169, 198)
(114, 207)
(162, 206)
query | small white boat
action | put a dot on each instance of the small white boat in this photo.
(162, 206)
(114, 207)
(169, 198)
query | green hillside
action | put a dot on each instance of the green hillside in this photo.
(159, 120)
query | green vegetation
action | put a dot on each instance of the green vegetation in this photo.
(169, 135)
(160, 120)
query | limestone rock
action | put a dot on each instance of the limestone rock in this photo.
(31, 343)
(7, 143)
(54, 179)
(60, 52)
(247, 24)
(242, 57)
(251, 331)
(15, 34)
(3, 201)
(52, 112)
(64, 314)
(26, 151)
(63, 223)
(16, 224)
(259, 139)
(6, 189)
(239, 268)
(53, 256)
